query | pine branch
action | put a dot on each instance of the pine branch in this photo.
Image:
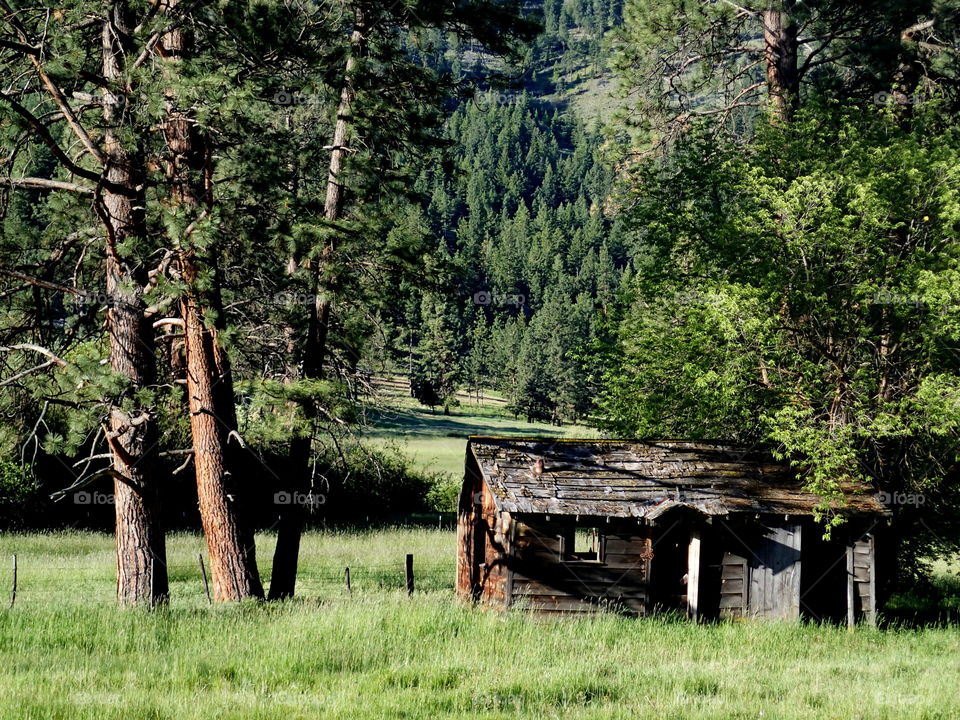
(20, 375)
(46, 184)
(54, 358)
(44, 134)
(37, 282)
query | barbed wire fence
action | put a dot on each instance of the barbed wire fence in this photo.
(36, 579)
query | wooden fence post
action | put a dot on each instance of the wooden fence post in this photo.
(346, 574)
(409, 574)
(13, 590)
(203, 573)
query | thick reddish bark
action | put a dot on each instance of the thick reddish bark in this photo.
(230, 545)
(780, 52)
(213, 422)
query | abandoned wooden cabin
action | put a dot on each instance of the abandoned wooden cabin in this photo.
(705, 529)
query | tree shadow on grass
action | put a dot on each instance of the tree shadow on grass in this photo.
(936, 604)
(421, 423)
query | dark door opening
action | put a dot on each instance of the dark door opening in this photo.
(668, 568)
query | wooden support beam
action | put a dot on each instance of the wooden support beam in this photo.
(509, 530)
(871, 609)
(693, 575)
(851, 614)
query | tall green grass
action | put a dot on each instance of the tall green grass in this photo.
(66, 652)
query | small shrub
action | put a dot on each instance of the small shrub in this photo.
(376, 484)
(443, 493)
(18, 488)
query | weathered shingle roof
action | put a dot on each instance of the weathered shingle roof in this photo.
(644, 479)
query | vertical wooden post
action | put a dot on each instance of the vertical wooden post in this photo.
(203, 573)
(693, 575)
(409, 574)
(13, 590)
(871, 609)
(346, 575)
(851, 613)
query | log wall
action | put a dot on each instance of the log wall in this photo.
(544, 580)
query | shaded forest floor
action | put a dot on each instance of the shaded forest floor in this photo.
(66, 652)
(436, 442)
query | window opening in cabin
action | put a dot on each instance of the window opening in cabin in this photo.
(582, 544)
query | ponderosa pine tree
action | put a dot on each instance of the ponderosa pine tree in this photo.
(372, 104)
(221, 491)
(49, 109)
(156, 190)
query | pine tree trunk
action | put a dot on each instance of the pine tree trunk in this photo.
(233, 564)
(283, 578)
(213, 423)
(319, 328)
(290, 528)
(780, 52)
(907, 77)
(133, 436)
(295, 483)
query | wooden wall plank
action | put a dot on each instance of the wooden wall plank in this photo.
(861, 580)
(733, 585)
(871, 607)
(540, 575)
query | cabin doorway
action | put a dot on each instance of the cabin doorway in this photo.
(668, 568)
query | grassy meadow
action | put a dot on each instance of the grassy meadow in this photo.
(435, 442)
(67, 652)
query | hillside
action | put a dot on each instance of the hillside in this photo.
(528, 262)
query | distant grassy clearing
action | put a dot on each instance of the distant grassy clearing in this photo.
(437, 442)
(67, 653)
